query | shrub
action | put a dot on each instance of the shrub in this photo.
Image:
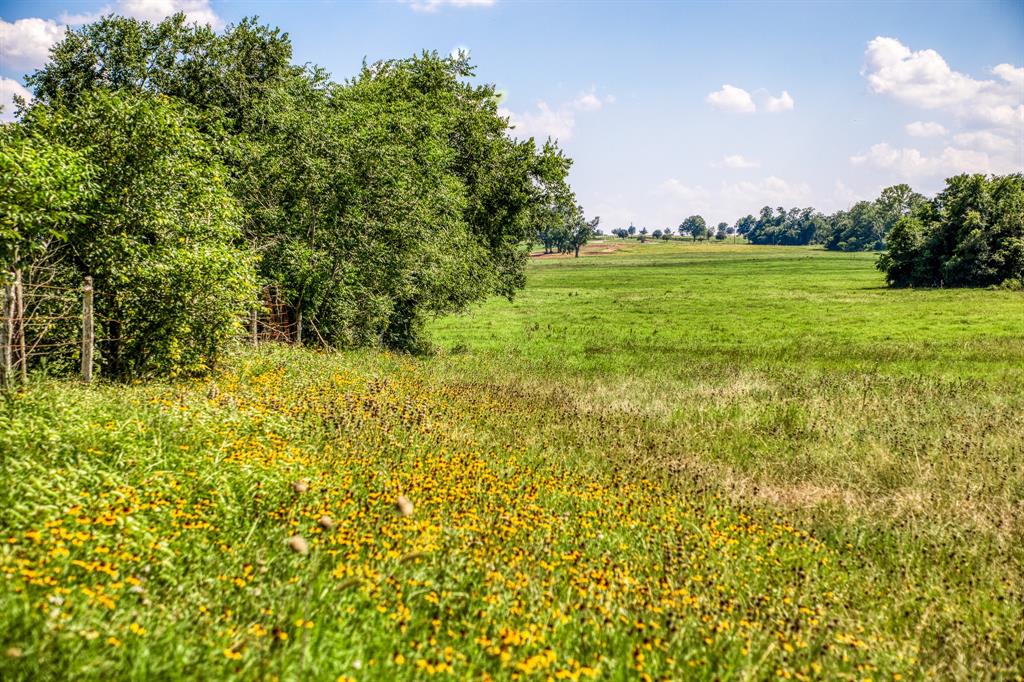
(971, 234)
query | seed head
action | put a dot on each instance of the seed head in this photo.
(403, 505)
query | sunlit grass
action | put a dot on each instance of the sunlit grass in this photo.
(524, 506)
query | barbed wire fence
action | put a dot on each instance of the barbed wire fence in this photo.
(49, 321)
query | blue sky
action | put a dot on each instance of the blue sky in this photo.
(827, 102)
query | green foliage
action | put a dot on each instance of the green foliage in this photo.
(971, 234)
(795, 227)
(158, 232)
(695, 227)
(866, 226)
(43, 184)
(373, 204)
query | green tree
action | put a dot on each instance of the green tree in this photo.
(44, 186)
(695, 227)
(971, 234)
(158, 234)
(372, 204)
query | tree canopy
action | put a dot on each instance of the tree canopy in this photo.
(970, 234)
(370, 204)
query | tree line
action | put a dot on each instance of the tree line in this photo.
(182, 168)
(970, 234)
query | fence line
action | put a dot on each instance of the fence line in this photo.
(46, 317)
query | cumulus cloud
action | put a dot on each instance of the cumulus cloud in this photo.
(196, 11)
(925, 129)
(781, 103)
(988, 140)
(84, 17)
(924, 79)
(434, 5)
(8, 89)
(988, 111)
(912, 163)
(737, 100)
(731, 98)
(557, 123)
(736, 161)
(26, 43)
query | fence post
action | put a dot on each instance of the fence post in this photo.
(7, 334)
(253, 328)
(87, 330)
(298, 328)
(19, 294)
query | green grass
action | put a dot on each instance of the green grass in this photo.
(676, 460)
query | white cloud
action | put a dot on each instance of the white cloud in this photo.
(1010, 73)
(84, 17)
(912, 163)
(196, 11)
(731, 98)
(434, 5)
(543, 123)
(987, 140)
(587, 101)
(991, 111)
(8, 89)
(556, 123)
(736, 161)
(925, 80)
(781, 103)
(26, 43)
(925, 129)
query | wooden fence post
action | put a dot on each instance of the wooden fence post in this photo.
(298, 328)
(87, 330)
(7, 335)
(19, 293)
(253, 327)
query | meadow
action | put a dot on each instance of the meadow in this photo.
(662, 461)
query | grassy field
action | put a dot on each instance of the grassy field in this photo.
(672, 461)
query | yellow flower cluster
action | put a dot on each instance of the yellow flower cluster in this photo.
(504, 564)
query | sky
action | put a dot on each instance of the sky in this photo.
(670, 109)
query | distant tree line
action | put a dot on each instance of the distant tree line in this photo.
(182, 168)
(970, 234)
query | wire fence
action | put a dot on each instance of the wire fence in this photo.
(49, 322)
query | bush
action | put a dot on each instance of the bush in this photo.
(158, 235)
(971, 234)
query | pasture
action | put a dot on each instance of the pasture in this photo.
(667, 461)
